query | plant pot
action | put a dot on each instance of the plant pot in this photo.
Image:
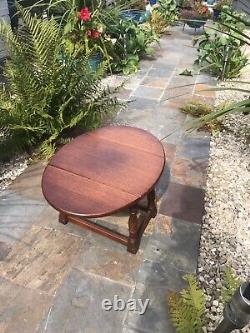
(197, 23)
(138, 16)
(94, 61)
(210, 2)
(217, 13)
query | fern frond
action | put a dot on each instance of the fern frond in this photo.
(187, 309)
(48, 93)
(232, 283)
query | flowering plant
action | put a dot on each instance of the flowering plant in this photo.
(84, 34)
(202, 10)
(198, 11)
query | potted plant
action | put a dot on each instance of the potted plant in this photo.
(197, 16)
(137, 12)
(218, 7)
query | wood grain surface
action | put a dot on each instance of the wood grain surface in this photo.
(103, 171)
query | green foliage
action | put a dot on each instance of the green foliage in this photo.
(234, 107)
(168, 10)
(219, 49)
(232, 283)
(196, 108)
(199, 109)
(122, 42)
(222, 3)
(132, 42)
(47, 93)
(158, 23)
(187, 309)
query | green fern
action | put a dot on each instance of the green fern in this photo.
(47, 93)
(232, 283)
(187, 309)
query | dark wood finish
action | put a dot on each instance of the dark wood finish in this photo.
(99, 229)
(103, 172)
(63, 218)
(133, 225)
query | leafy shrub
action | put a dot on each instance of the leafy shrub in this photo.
(47, 93)
(158, 23)
(222, 3)
(168, 10)
(132, 42)
(235, 107)
(187, 309)
(219, 49)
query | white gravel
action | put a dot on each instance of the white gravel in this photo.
(225, 239)
(10, 170)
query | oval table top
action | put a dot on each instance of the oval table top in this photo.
(103, 171)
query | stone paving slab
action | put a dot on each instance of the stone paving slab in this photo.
(41, 260)
(78, 305)
(155, 319)
(154, 284)
(28, 184)
(189, 172)
(15, 212)
(97, 256)
(21, 309)
(194, 148)
(183, 202)
(150, 92)
(176, 243)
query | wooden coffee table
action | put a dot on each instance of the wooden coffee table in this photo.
(103, 172)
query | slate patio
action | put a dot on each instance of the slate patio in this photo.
(53, 278)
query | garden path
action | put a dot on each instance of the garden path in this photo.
(54, 277)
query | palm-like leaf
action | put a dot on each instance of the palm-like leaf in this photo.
(236, 107)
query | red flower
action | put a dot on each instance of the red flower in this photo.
(85, 14)
(95, 34)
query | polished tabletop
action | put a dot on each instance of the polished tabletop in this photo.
(103, 171)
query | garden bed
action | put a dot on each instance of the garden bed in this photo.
(225, 240)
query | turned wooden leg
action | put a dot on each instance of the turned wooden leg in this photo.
(151, 203)
(133, 239)
(63, 218)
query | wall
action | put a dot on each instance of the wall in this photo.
(242, 5)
